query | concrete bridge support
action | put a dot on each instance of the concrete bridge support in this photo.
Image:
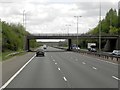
(110, 45)
(118, 43)
(27, 46)
(69, 44)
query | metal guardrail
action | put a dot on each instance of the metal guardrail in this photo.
(13, 54)
(102, 55)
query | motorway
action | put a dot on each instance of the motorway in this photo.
(63, 69)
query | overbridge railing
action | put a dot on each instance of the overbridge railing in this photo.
(55, 34)
(74, 35)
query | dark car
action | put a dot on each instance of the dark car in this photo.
(40, 52)
(93, 50)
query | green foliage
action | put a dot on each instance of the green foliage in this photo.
(13, 37)
(114, 30)
(109, 25)
(33, 43)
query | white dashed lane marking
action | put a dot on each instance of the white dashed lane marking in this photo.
(94, 68)
(115, 77)
(65, 78)
(55, 63)
(83, 63)
(59, 69)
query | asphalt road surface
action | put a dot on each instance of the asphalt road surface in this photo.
(62, 69)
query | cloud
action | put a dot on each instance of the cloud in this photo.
(51, 16)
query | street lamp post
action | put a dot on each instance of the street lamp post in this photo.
(100, 28)
(24, 18)
(77, 29)
(68, 25)
(118, 47)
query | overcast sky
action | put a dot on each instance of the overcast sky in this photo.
(52, 16)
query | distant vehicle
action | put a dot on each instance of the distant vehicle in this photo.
(40, 52)
(91, 47)
(75, 48)
(44, 47)
(116, 52)
(93, 50)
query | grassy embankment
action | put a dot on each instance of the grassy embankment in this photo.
(13, 40)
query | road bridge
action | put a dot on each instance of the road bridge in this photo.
(113, 41)
(68, 36)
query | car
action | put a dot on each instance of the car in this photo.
(93, 50)
(75, 48)
(44, 47)
(40, 52)
(116, 52)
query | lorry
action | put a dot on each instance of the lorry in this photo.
(91, 47)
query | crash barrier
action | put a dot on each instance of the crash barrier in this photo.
(13, 54)
(100, 55)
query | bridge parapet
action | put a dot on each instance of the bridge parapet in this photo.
(68, 36)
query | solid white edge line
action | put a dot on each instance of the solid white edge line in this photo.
(65, 78)
(108, 62)
(115, 78)
(8, 82)
(83, 63)
(102, 60)
(94, 68)
(59, 69)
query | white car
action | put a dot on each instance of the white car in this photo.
(116, 52)
(76, 48)
(44, 47)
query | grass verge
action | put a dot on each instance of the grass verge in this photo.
(9, 54)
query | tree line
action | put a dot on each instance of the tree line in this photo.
(109, 25)
(13, 37)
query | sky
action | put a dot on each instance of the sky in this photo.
(55, 16)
